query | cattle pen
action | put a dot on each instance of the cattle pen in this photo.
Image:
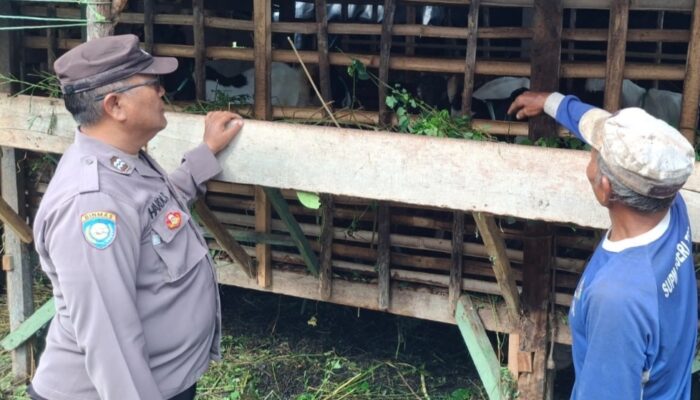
(489, 235)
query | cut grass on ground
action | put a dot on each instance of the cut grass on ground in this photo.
(277, 347)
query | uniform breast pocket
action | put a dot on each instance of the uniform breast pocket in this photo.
(176, 243)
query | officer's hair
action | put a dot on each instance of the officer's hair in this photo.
(85, 110)
(630, 198)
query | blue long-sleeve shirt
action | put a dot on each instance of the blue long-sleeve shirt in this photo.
(634, 316)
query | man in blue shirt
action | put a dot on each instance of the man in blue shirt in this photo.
(634, 315)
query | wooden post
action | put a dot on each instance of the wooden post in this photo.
(545, 60)
(457, 266)
(324, 71)
(571, 46)
(617, 46)
(470, 60)
(262, 37)
(199, 49)
(148, 15)
(384, 255)
(51, 38)
(263, 252)
(660, 16)
(691, 85)
(486, 23)
(410, 49)
(534, 330)
(8, 59)
(384, 55)
(99, 16)
(19, 278)
(538, 246)
(326, 239)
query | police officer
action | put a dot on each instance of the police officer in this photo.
(634, 317)
(137, 303)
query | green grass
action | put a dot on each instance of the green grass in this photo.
(277, 347)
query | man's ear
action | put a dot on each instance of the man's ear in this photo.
(113, 106)
(605, 191)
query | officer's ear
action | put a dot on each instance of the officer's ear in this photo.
(113, 106)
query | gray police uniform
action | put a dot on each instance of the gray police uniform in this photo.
(137, 302)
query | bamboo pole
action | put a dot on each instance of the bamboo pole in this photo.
(506, 68)
(617, 45)
(408, 29)
(99, 16)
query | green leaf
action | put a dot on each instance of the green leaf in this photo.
(309, 200)
(390, 101)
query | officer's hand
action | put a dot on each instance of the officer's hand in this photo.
(220, 127)
(528, 104)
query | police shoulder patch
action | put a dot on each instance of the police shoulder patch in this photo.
(99, 228)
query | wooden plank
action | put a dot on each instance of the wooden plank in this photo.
(480, 349)
(384, 56)
(19, 279)
(496, 247)
(228, 243)
(263, 218)
(324, 72)
(262, 50)
(424, 303)
(280, 206)
(691, 85)
(470, 58)
(13, 221)
(326, 240)
(30, 326)
(200, 49)
(384, 255)
(513, 180)
(457, 258)
(617, 45)
(513, 352)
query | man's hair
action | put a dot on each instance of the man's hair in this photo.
(628, 197)
(85, 110)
